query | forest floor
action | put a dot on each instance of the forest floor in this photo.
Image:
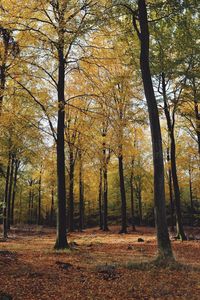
(99, 266)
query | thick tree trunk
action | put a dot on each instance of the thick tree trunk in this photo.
(17, 162)
(71, 191)
(100, 199)
(164, 245)
(81, 193)
(10, 192)
(170, 125)
(61, 240)
(123, 193)
(105, 190)
(5, 231)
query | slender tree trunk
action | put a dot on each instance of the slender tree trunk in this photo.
(179, 224)
(170, 125)
(132, 197)
(2, 83)
(197, 115)
(32, 207)
(20, 205)
(30, 199)
(39, 199)
(105, 190)
(81, 194)
(71, 191)
(14, 190)
(5, 231)
(170, 191)
(61, 240)
(164, 245)
(140, 199)
(52, 207)
(191, 195)
(123, 193)
(100, 199)
(10, 192)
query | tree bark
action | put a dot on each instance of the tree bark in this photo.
(81, 193)
(170, 191)
(122, 192)
(197, 115)
(191, 195)
(170, 126)
(52, 207)
(105, 190)
(10, 192)
(39, 199)
(132, 196)
(32, 207)
(61, 240)
(140, 199)
(29, 202)
(71, 191)
(17, 162)
(2, 85)
(164, 245)
(100, 199)
(5, 231)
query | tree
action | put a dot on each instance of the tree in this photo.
(164, 245)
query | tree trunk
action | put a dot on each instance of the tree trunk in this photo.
(29, 202)
(164, 245)
(10, 192)
(179, 225)
(197, 116)
(123, 193)
(32, 206)
(170, 125)
(20, 205)
(61, 240)
(17, 162)
(71, 191)
(140, 199)
(105, 190)
(81, 193)
(100, 199)
(132, 197)
(170, 191)
(2, 84)
(52, 207)
(191, 195)
(5, 231)
(39, 199)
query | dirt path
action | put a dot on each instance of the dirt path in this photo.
(99, 267)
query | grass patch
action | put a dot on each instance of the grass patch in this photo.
(106, 267)
(158, 263)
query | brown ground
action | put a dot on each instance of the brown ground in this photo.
(101, 267)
